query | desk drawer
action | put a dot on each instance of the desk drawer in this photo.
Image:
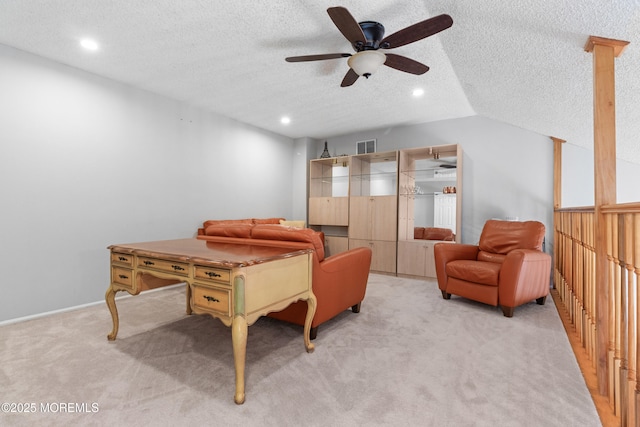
(179, 268)
(215, 274)
(124, 259)
(122, 276)
(212, 299)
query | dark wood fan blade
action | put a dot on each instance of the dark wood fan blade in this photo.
(405, 64)
(350, 78)
(317, 57)
(347, 24)
(417, 32)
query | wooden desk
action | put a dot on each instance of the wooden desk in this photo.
(234, 283)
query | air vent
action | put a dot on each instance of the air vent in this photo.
(364, 147)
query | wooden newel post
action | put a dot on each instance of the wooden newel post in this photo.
(557, 172)
(604, 132)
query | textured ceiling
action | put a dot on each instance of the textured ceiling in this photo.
(521, 62)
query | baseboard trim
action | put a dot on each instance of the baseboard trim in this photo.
(78, 307)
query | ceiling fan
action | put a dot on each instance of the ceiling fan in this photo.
(367, 37)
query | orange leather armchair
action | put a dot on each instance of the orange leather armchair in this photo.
(507, 268)
(339, 283)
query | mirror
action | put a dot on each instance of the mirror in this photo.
(435, 197)
(428, 186)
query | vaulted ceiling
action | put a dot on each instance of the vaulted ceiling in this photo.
(520, 62)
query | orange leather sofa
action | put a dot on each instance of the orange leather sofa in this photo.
(339, 281)
(507, 268)
(433, 233)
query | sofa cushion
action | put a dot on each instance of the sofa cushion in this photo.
(418, 232)
(436, 233)
(226, 221)
(298, 224)
(501, 237)
(291, 234)
(267, 220)
(491, 257)
(486, 273)
(229, 230)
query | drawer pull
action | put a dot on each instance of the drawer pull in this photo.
(177, 268)
(148, 263)
(121, 258)
(122, 276)
(212, 274)
(210, 299)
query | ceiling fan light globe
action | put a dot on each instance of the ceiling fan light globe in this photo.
(366, 62)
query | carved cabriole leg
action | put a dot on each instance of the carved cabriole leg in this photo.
(239, 330)
(311, 311)
(110, 297)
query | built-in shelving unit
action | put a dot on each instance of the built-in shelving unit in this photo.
(377, 199)
(373, 207)
(430, 196)
(329, 201)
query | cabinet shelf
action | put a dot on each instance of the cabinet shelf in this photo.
(431, 174)
(329, 177)
(374, 176)
(426, 194)
(331, 180)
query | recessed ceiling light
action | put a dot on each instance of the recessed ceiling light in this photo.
(285, 120)
(89, 44)
(418, 92)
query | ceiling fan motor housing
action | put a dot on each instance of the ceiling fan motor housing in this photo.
(373, 32)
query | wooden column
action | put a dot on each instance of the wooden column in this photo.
(604, 132)
(557, 172)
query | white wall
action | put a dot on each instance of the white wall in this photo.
(87, 162)
(627, 182)
(578, 178)
(507, 171)
(303, 152)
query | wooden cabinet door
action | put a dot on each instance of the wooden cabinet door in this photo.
(412, 257)
(429, 260)
(416, 257)
(383, 217)
(335, 244)
(339, 207)
(329, 211)
(317, 210)
(383, 257)
(359, 218)
(373, 218)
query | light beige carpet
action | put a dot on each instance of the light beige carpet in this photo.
(408, 358)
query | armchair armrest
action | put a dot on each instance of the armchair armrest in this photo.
(340, 282)
(445, 252)
(524, 276)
